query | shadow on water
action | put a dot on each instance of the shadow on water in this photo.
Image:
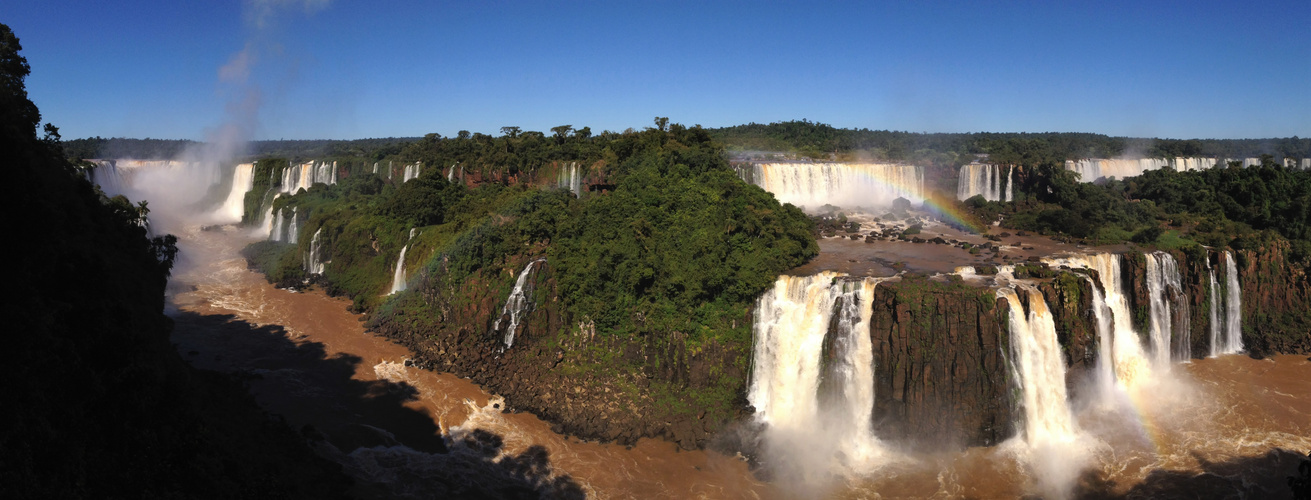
(392, 450)
(1264, 476)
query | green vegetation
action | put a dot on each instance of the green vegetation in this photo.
(678, 241)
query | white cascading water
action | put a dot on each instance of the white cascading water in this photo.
(1092, 169)
(410, 172)
(314, 263)
(518, 304)
(1166, 302)
(266, 223)
(398, 277)
(570, 179)
(818, 416)
(275, 227)
(1217, 329)
(1233, 339)
(243, 179)
(293, 229)
(305, 175)
(841, 184)
(987, 180)
(1039, 369)
(1129, 362)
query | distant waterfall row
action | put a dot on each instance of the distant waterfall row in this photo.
(842, 184)
(1092, 169)
(993, 182)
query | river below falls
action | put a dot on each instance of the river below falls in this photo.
(1225, 427)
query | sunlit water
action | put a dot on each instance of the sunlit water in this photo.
(1207, 430)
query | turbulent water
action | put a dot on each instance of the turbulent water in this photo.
(840, 184)
(993, 182)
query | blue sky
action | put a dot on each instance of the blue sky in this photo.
(344, 69)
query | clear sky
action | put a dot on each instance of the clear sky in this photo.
(342, 69)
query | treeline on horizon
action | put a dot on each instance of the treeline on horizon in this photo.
(168, 149)
(821, 141)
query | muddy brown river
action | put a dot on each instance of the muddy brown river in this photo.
(1225, 427)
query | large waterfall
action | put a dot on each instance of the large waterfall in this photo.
(993, 182)
(1168, 311)
(812, 377)
(243, 179)
(1091, 169)
(1233, 339)
(1127, 361)
(1039, 369)
(398, 277)
(518, 304)
(842, 184)
(314, 263)
(275, 228)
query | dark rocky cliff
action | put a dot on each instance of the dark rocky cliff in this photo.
(940, 373)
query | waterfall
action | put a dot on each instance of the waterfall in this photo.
(306, 175)
(801, 323)
(1216, 327)
(1233, 341)
(375, 167)
(1091, 169)
(1167, 303)
(398, 277)
(293, 232)
(1040, 370)
(1127, 359)
(570, 179)
(518, 305)
(266, 222)
(987, 180)
(313, 260)
(410, 172)
(243, 179)
(275, 229)
(843, 184)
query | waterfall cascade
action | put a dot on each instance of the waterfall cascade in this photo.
(1168, 311)
(1305, 164)
(456, 173)
(994, 182)
(243, 179)
(1039, 369)
(410, 172)
(314, 262)
(1091, 169)
(293, 231)
(812, 377)
(1233, 339)
(305, 175)
(275, 228)
(398, 277)
(518, 304)
(570, 178)
(1127, 361)
(843, 184)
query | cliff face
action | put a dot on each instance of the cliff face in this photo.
(559, 368)
(940, 375)
(1276, 302)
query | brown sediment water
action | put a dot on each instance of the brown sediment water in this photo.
(1211, 428)
(310, 360)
